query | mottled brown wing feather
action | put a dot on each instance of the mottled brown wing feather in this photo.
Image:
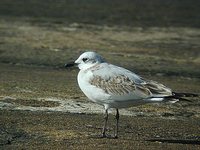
(118, 85)
(122, 85)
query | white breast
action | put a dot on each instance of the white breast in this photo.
(93, 93)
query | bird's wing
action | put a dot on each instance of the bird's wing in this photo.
(157, 89)
(122, 84)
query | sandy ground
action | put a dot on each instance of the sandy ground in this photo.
(40, 111)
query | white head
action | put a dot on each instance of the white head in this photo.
(88, 59)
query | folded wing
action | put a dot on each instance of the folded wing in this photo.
(122, 85)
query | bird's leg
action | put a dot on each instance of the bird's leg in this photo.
(117, 124)
(105, 123)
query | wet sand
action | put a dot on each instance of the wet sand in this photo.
(57, 130)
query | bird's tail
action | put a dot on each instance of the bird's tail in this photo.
(185, 94)
(180, 97)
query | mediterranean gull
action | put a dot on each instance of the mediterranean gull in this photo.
(117, 87)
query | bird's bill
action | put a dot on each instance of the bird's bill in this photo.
(70, 64)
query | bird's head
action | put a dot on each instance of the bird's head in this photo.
(87, 60)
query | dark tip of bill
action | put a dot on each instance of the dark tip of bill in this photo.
(69, 65)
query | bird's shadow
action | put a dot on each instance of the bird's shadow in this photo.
(178, 141)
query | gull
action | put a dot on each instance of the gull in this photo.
(115, 87)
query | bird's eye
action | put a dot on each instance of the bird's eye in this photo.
(85, 59)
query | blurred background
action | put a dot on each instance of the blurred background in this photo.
(49, 33)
